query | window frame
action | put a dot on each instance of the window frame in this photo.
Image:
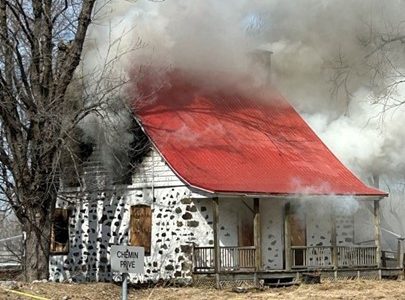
(54, 245)
(132, 222)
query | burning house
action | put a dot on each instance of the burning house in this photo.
(234, 184)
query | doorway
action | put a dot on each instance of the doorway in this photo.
(298, 237)
(246, 253)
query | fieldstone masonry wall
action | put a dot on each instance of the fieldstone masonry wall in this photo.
(100, 220)
(272, 218)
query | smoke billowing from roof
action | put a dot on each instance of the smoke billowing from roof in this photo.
(319, 48)
(331, 59)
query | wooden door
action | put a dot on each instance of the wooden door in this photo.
(298, 237)
(141, 227)
(245, 256)
(246, 232)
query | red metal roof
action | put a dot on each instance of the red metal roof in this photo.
(221, 140)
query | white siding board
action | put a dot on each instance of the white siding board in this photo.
(154, 171)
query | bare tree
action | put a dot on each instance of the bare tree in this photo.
(378, 64)
(41, 44)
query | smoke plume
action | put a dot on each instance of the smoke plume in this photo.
(334, 60)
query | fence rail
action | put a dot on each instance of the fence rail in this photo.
(11, 251)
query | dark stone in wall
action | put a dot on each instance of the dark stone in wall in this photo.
(191, 208)
(192, 223)
(185, 201)
(203, 208)
(187, 216)
(104, 260)
(169, 268)
(186, 249)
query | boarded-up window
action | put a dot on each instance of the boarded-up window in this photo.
(141, 227)
(60, 232)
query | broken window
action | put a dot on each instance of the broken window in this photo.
(60, 232)
(141, 227)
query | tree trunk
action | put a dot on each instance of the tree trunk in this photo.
(37, 242)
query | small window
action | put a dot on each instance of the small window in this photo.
(141, 227)
(60, 232)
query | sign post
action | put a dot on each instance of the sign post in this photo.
(127, 259)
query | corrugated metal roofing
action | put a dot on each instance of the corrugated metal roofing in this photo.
(223, 141)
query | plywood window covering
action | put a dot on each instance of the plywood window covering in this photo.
(60, 232)
(141, 227)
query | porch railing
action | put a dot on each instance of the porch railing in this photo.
(204, 259)
(321, 256)
(230, 258)
(311, 256)
(243, 258)
(357, 256)
(237, 258)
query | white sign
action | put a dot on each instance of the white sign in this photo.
(127, 259)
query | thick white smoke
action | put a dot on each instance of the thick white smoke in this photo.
(332, 60)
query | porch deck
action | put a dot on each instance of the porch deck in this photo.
(310, 258)
(237, 266)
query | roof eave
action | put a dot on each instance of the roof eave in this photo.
(221, 194)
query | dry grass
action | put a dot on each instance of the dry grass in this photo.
(356, 289)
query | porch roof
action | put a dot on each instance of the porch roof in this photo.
(222, 139)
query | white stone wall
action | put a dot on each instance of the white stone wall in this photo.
(364, 224)
(101, 220)
(354, 226)
(272, 219)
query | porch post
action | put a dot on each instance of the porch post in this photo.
(400, 255)
(257, 234)
(377, 234)
(287, 238)
(334, 239)
(215, 223)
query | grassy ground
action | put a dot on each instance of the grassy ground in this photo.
(356, 289)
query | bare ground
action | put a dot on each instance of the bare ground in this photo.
(356, 289)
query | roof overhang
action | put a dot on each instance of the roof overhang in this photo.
(304, 197)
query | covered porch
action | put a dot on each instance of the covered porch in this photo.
(288, 238)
